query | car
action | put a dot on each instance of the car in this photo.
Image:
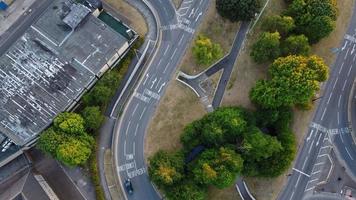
(128, 186)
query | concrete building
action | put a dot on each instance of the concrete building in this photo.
(50, 67)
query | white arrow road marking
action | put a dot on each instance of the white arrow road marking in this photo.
(310, 135)
(344, 45)
(153, 82)
(163, 84)
(198, 16)
(192, 12)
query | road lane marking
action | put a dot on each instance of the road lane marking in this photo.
(159, 62)
(292, 195)
(312, 180)
(134, 147)
(305, 162)
(322, 155)
(134, 110)
(339, 101)
(144, 82)
(137, 172)
(338, 118)
(296, 184)
(321, 163)
(343, 87)
(337, 78)
(322, 116)
(317, 172)
(125, 147)
(127, 128)
(317, 143)
(342, 65)
(144, 109)
(346, 42)
(310, 135)
(159, 81)
(353, 49)
(174, 52)
(348, 73)
(153, 82)
(142, 97)
(161, 87)
(347, 52)
(164, 71)
(152, 94)
(349, 153)
(136, 129)
(200, 14)
(181, 39)
(301, 172)
(311, 146)
(126, 166)
(166, 50)
(331, 94)
(310, 189)
(129, 157)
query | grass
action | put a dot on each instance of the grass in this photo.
(177, 3)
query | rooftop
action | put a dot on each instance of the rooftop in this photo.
(47, 69)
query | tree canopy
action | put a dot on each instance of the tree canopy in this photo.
(73, 152)
(281, 24)
(296, 45)
(92, 117)
(267, 47)
(294, 80)
(70, 123)
(205, 51)
(238, 10)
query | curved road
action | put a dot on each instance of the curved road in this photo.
(330, 127)
(177, 29)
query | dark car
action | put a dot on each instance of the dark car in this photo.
(128, 186)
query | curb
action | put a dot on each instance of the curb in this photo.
(353, 133)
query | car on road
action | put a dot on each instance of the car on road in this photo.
(128, 186)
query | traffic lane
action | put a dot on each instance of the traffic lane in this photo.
(165, 11)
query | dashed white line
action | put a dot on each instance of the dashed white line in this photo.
(311, 146)
(136, 129)
(342, 140)
(134, 110)
(342, 65)
(166, 50)
(317, 143)
(144, 109)
(159, 62)
(305, 162)
(348, 73)
(174, 52)
(181, 39)
(347, 52)
(134, 148)
(343, 87)
(296, 184)
(338, 118)
(316, 172)
(127, 128)
(339, 101)
(292, 195)
(322, 116)
(337, 78)
(331, 94)
(349, 154)
(125, 147)
(321, 163)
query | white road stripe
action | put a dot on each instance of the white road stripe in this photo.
(343, 87)
(322, 116)
(339, 101)
(349, 154)
(342, 65)
(144, 109)
(134, 110)
(136, 129)
(301, 172)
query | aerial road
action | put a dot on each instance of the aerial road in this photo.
(177, 29)
(330, 128)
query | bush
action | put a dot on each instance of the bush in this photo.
(266, 48)
(238, 10)
(206, 52)
(281, 24)
(93, 118)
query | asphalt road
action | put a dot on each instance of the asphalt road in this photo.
(177, 29)
(21, 24)
(330, 123)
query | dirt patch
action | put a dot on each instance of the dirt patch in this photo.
(226, 194)
(216, 28)
(136, 20)
(246, 73)
(177, 3)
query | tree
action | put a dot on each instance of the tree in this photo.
(70, 123)
(205, 51)
(186, 190)
(218, 167)
(313, 18)
(277, 23)
(166, 169)
(296, 45)
(92, 118)
(259, 146)
(294, 80)
(236, 10)
(50, 140)
(73, 152)
(266, 48)
(99, 96)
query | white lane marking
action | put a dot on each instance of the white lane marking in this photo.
(349, 153)
(160, 88)
(344, 45)
(312, 180)
(317, 143)
(153, 82)
(144, 82)
(310, 135)
(347, 52)
(134, 110)
(322, 116)
(321, 163)
(348, 73)
(125, 147)
(317, 172)
(180, 40)
(339, 101)
(338, 118)
(127, 128)
(164, 71)
(137, 172)
(134, 148)
(159, 62)
(129, 156)
(331, 94)
(342, 140)
(200, 14)
(337, 78)
(296, 184)
(311, 146)
(152, 94)
(136, 129)
(305, 162)
(126, 166)
(166, 50)
(159, 81)
(309, 189)
(142, 97)
(144, 109)
(353, 49)
(174, 53)
(322, 155)
(191, 13)
(301, 172)
(342, 65)
(292, 195)
(343, 87)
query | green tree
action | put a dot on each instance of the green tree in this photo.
(296, 45)
(313, 18)
(49, 141)
(92, 118)
(99, 96)
(186, 190)
(294, 80)
(218, 167)
(166, 169)
(73, 152)
(259, 146)
(70, 123)
(236, 10)
(266, 48)
(205, 51)
(277, 23)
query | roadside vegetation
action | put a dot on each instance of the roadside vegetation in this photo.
(235, 141)
(72, 137)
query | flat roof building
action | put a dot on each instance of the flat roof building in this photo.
(51, 65)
